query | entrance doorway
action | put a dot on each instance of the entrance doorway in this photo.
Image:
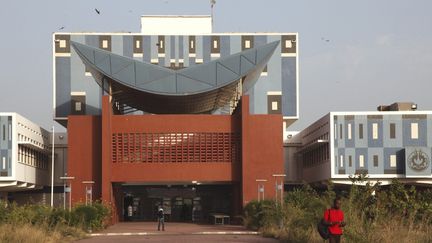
(181, 203)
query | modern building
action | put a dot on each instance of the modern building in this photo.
(25, 159)
(175, 115)
(393, 142)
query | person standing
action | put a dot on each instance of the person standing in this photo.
(161, 220)
(334, 219)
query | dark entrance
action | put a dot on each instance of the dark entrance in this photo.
(181, 203)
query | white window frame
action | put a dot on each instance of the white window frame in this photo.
(361, 161)
(393, 160)
(374, 130)
(414, 130)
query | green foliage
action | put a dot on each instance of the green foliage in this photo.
(374, 213)
(54, 221)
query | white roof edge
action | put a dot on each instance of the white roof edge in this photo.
(380, 112)
(139, 33)
(176, 16)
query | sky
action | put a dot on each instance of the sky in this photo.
(378, 52)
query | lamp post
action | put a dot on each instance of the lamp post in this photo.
(279, 187)
(52, 169)
(88, 191)
(65, 179)
(260, 188)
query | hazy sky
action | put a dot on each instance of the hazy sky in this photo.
(378, 52)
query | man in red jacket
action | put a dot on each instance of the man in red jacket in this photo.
(334, 218)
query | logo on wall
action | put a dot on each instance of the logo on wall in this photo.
(418, 160)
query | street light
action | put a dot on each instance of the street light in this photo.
(88, 191)
(260, 188)
(279, 187)
(65, 179)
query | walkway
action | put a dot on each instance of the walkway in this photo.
(175, 232)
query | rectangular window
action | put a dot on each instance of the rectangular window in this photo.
(247, 44)
(77, 106)
(350, 161)
(414, 130)
(137, 44)
(104, 44)
(392, 130)
(393, 160)
(360, 131)
(361, 161)
(10, 132)
(374, 130)
(161, 44)
(62, 43)
(4, 132)
(341, 162)
(215, 44)
(375, 160)
(288, 43)
(4, 163)
(215, 47)
(349, 131)
(340, 131)
(335, 131)
(192, 44)
(274, 105)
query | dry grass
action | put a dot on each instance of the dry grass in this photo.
(26, 234)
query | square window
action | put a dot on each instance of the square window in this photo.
(78, 106)
(414, 130)
(288, 44)
(62, 44)
(274, 105)
(105, 44)
(247, 44)
(393, 160)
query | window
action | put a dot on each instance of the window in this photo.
(77, 106)
(4, 163)
(340, 131)
(192, 44)
(104, 44)
(247, 44)
(374, 130)
(274, 105)
(375, 160)
(137, 44)
(4, 132)
(62, 43)
(350, 161)
(288, 44)
(161, 44)
(360, 131)
(341, 162)
(392, 130)
(361, 161)
(349, 131)
(393, 160)
(335, 131)
(215, 44)
(10, 132)
(414, 130)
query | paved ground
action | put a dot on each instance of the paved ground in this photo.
(175, 232)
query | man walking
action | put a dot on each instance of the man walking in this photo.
(161, 220)
(334, 219)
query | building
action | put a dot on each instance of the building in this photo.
(393, 142)
(25, 159)
(175, 115)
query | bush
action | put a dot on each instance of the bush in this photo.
(374, 213)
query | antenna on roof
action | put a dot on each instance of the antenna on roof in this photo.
(212, 3)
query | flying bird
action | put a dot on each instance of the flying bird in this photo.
(326, 40)
(97, 11)
(61, 28)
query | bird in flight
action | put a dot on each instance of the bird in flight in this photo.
(326, 40)
(61, 28)
(97, 11)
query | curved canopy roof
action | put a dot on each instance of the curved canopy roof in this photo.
(151, 88)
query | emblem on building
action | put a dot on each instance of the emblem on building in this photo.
(418, 160)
